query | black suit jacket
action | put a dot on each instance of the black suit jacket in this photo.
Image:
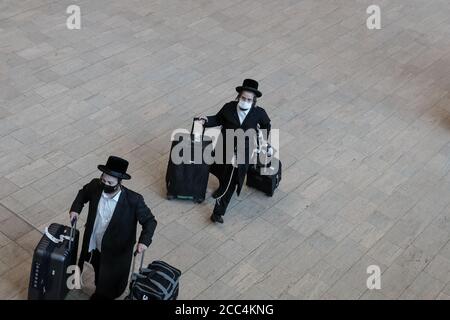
(120, 236)
(228, 118)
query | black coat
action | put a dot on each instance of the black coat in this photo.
(119, 238)
(228, 118)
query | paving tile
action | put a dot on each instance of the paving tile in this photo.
(345, 254)
(191, 285)
(276, 249)
(5, 213)
(321, 242)
(255, 293)
(30, 173)
(439, 268)
(443, 296)
(14, 227)
(12, 254)
(357, 210)
(308, 287)
(212, 267)
(233, 250)
(29, 240)
(242, 277)
(55, 181)
(176, 232)
(363, 121)
(218, 290)
(178, 259)
(306, 223)
(26, 197)
(404, 232)
(385, 252)
(254, 234)
(425, 287)
(38, 214)
(395, 280)
(337, 228)
(4, 240)
(301, 259)
(207, 243)
(431, 240)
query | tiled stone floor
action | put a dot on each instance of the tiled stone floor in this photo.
(365, 133)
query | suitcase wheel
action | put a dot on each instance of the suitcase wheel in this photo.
(175, 294)
(170, 197)
(198, 200)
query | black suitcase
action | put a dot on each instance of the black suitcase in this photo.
(159, 281)
(54, 253)
(188, 180)
(266, 182)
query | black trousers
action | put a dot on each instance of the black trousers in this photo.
(222, 203)
(95, 261)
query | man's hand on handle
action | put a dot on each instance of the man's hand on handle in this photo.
(269, 150)
(73, 215)
(141, 247)
(203, 119)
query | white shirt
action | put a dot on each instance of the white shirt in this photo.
(242, 113)
(105, 210)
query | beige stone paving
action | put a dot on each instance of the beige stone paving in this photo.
(365, 137)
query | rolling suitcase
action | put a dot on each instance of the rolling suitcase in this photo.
(159, 281)
(264, 176)
(265, 183)
(55, 252)
(188, 180)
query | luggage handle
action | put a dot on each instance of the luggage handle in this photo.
(259, 139)
(192, 129)
(73, 228)
(134, 275)
(134, 260)
(63, 237)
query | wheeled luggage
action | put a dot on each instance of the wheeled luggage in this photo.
(265, 183)
(265, 175)
(55, 252)
(188, 179)
(159, 281)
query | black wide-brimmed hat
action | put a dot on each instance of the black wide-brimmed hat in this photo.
(250, 85)
(116, 167)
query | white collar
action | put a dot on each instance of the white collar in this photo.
(115, 198)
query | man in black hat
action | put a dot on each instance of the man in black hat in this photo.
(110, 230)
(244, 114)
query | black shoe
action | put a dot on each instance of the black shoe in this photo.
(217, 193)
(97, 296)
(216, 218)
(94, 296)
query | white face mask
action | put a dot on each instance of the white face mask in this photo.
(244, 104)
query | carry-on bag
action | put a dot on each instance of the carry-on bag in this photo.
(159, 281)
(188, 179)
(55, 252)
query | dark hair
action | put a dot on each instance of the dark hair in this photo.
(254, 98)
(119, 180)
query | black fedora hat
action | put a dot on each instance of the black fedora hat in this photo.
(250, 85)
(116, 167)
